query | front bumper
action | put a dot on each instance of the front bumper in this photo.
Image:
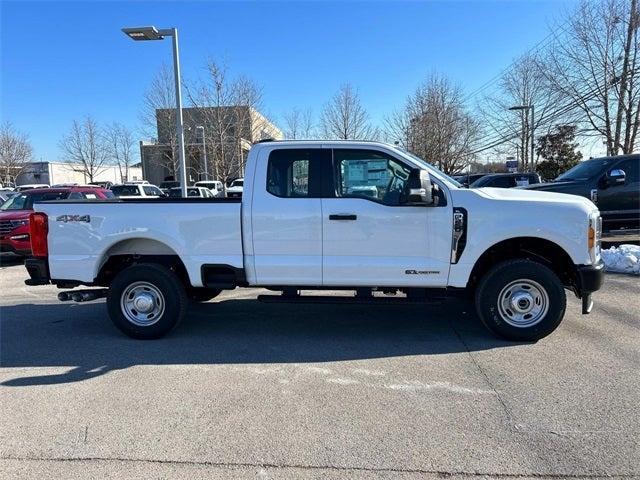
(590, 279)
(16, 241)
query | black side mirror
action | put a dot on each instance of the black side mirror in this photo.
(420, 188)
(617, 176)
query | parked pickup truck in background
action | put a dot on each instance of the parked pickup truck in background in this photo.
(612, 183)
(360, 216)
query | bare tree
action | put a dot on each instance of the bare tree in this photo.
(521, 85)
(158, 108)
(229, 114)
(344, 117)
(299, 124)
(15, 152)
(120, 143)
(435, 125)
(595, 64)
(85, 146)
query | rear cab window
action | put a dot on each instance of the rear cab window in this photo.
(294, 173)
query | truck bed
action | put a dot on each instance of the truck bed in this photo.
(200, 231)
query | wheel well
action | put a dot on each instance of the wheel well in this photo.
(536, 249)
(139, 250)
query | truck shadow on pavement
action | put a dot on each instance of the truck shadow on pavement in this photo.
(82, 337)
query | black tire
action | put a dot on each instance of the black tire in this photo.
(492, 295)
(203, 294)
(155, 278)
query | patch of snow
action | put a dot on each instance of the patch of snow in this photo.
(622, 259)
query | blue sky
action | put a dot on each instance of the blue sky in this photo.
(63, 60)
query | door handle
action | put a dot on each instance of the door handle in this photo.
(343, 217)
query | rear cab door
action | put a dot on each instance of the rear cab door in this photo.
(285, 216)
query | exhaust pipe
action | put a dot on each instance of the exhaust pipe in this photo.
(83, 295)
(64, 296)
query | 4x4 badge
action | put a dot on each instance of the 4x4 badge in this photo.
(73, 218)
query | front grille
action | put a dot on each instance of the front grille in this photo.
(7, 226)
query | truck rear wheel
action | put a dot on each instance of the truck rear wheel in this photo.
(521, 300)
(146, 301)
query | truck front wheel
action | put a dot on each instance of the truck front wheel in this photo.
(521, 300)
(146, 301)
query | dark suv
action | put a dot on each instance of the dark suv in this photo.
(506, 180)
(612, 183)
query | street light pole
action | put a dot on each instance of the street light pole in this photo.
(531, 129)
(533, 126)
(152, 33)
(204, 154)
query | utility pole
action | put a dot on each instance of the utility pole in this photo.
(204, 152)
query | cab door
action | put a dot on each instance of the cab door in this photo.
(620, 204)
(371, 237)
(286, 218)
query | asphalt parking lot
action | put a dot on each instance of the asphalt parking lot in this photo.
(245, 389)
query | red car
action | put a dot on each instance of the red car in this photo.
(14, 213)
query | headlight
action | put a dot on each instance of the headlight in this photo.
(19, 223)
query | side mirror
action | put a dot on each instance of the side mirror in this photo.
(616, 176)
(420, 188)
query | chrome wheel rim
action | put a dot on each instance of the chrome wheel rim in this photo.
(142, 303)
(523, 303)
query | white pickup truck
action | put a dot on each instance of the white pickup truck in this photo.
(317, 215)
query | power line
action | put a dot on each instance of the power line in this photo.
(538, 46)
(499, 139)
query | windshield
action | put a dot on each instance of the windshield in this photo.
(430, 167)
(25, 201)
(585, 170)
(237, 183)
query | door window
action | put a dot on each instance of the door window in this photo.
(292, 173)
(126, 191)
(152, 191)
(371, 175)
(631, 169)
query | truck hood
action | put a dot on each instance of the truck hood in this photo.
(552, 186)
(531, 196)
(15, 214)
